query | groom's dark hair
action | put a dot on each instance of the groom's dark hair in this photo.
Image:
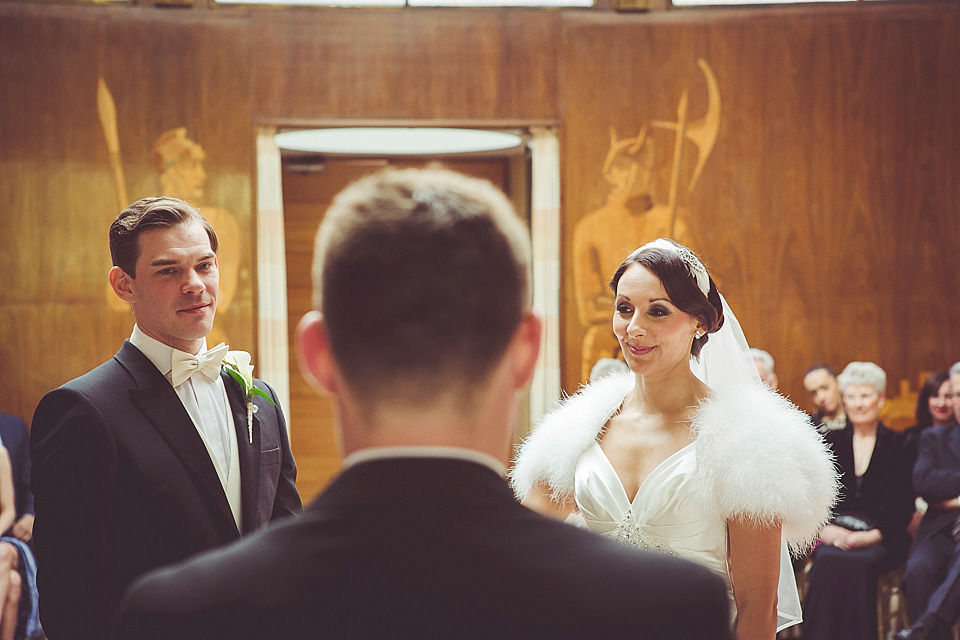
(422, 276)
(145, 215)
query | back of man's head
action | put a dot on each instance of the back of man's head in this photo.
(422, 277)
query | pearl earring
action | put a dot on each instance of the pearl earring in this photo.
(698, 334)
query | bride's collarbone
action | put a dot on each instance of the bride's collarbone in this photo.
(636, 449)
(652, 429)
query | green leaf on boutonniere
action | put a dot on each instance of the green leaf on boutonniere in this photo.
(249, 390)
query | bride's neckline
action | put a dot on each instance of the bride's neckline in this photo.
(655, 471)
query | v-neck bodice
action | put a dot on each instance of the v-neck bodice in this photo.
(667, 513)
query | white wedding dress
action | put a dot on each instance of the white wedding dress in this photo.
(755, 455)
(666, 514)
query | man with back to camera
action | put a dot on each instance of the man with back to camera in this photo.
(820, 381)
(931, 579)
(424, 337)
(150, 457)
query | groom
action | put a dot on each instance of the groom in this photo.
(148, 458)
(424, 337)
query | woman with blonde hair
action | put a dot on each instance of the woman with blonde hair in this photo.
(867, 536)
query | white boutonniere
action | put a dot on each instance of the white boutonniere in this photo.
(239, 367)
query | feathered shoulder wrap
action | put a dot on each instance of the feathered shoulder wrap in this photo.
(758, 456)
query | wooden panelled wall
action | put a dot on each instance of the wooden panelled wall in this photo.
(828, 208)
(58, 190)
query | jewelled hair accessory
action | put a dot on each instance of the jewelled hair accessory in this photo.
(696, 268)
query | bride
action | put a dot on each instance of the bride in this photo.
(691, 457)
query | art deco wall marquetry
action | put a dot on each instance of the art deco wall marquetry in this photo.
(826, 209)
(810, 154)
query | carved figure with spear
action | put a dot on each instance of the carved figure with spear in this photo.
(631, 216)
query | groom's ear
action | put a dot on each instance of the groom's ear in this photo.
(120, 283)
(314, 353)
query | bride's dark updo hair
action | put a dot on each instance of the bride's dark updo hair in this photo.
(674, 269)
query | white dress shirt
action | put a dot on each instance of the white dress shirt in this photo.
(209, 408)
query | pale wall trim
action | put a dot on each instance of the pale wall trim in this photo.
(272, 339)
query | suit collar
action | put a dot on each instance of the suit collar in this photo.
(456, 453)
(153, 395)
(416, 483)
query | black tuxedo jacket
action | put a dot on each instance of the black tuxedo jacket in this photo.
(123, 483)
(425, 548)
(13, 432)
(936, 476)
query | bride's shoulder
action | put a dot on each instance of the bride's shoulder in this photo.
(751, 409)
(759, 456)
(551, 451)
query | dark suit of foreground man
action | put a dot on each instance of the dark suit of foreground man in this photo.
(424, 337)
(126, 476)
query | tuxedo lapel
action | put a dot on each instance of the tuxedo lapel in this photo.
(161, 407)
(249, 453)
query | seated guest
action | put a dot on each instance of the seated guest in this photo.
(821, 383)
(424, 336)
(934, 404)
(764, 362)
(931, 581)
(934, 408)
(16, 440)
(867, 536)
(16, 521)
(955, 385)
(10, 580)
(606, 366)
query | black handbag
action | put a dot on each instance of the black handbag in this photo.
(853, 522)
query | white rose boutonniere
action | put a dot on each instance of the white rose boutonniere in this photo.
(240, 369)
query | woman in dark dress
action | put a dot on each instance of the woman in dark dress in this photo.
(868, 534)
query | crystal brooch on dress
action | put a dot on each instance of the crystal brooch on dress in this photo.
(631, 534)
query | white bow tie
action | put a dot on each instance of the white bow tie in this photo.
(186, 364)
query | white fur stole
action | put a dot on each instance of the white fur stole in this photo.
(550, 453)
(758, 456)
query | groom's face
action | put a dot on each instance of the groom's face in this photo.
(174, 296)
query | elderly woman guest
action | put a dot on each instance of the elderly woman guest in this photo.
(705, 464)
(868, 535)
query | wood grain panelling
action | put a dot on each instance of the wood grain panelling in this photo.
(828, 210)
(409, 64)
(306, 197)
(58, 194)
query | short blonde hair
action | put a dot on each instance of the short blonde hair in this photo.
(863, 373)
